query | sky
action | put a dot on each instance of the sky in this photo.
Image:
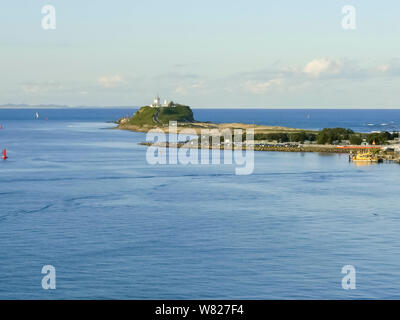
(206, 54)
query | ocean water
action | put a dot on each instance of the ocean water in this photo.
(358, 120)
(80, 196)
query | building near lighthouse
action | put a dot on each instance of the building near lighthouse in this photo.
(157, 103)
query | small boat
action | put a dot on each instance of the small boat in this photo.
(37, 115)
(366, 157)
(4, 154)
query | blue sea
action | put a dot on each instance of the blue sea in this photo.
(81, 197)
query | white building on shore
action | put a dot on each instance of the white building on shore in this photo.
(157, 103)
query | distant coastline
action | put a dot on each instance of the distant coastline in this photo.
(266, 138)
(58, 106)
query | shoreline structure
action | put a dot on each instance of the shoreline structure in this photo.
(272, 148)
(150, 118)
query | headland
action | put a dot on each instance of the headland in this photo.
(265, 138)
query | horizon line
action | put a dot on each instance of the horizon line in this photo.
(55, 106)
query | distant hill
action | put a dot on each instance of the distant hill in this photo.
(57, 106)
(30, 106)
(150, 116)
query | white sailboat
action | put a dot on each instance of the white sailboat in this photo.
(37, 115)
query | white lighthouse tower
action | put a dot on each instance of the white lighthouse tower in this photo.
(156, 102)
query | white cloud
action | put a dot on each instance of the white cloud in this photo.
(318, 67)
(317, 73)
(183, 89)
(390, 69)
(257, 87)
(383, 68)
(40, 88)
(111, 81)
(32, 89)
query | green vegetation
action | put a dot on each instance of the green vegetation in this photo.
(300, 136)
(332, 135)
(278, 136)
(178, 113)
(326, 136)
(356, 139)
(144, 116)
(380, 137)
(153, 116)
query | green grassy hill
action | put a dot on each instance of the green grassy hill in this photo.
(161, 116)
(143, 116)
(178, 113)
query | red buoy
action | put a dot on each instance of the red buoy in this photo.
(5, 154)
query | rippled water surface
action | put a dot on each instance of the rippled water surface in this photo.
(81, 197)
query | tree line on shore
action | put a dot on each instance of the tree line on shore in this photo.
(329, 136)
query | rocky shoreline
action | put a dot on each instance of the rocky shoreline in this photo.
(320, 149)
